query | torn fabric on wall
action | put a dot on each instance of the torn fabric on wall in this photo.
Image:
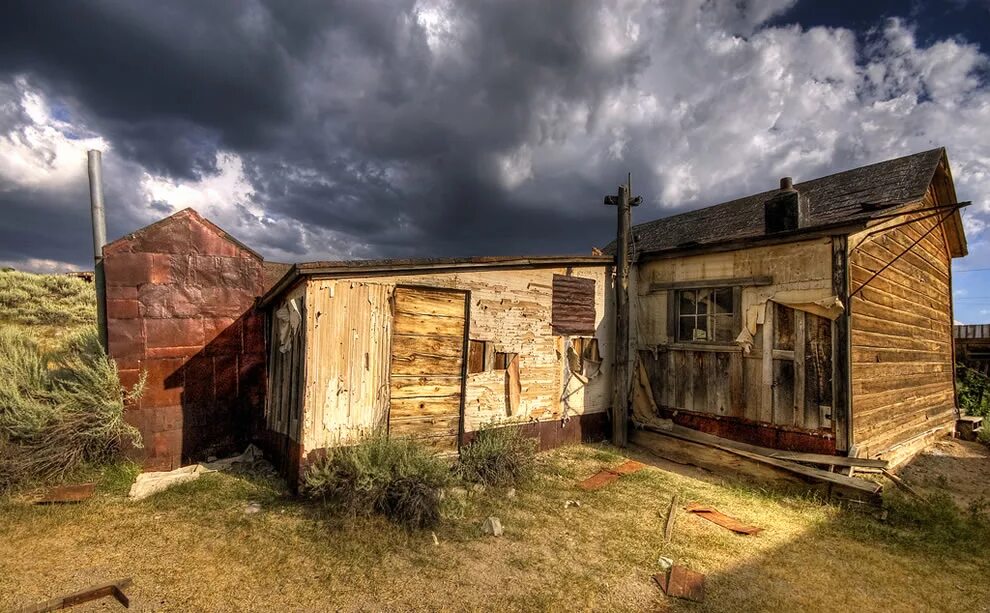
(809, 301)
(288, 319)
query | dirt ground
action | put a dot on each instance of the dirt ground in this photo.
(959, 468)
(194, 548)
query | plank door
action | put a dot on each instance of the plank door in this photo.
(429, 334)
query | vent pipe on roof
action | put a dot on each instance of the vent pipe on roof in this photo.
(99, 240)
(785, 211)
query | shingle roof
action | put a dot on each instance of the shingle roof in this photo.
(846, 197)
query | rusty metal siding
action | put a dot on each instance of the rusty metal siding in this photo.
(180, 307)
(573, 310)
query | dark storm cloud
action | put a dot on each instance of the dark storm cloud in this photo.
(326, 103)
(371, 129)
(143, 69)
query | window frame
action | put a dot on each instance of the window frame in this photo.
(732, 317)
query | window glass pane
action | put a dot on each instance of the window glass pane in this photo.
(723, 300)
(704, 300)
(723, 328)
(687, 306)
(692, 329)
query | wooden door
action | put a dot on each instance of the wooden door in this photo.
(429, 334)
(801, 375)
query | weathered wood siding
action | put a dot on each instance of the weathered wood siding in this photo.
(902, 371)
(785, 380)
(348, 327)
(510, 308)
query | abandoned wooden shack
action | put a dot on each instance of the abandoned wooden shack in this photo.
(816, 317)
(436, 349)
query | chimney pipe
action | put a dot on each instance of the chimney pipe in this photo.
(786, 183)
(97, 213)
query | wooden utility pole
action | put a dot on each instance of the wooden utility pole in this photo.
(620, 409)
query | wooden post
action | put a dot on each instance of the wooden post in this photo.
(620, 410)
(841, 366)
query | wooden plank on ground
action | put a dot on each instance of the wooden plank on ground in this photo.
(115, 589)
(849, 486)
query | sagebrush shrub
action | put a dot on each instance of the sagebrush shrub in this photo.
(59, 410)
(398, 478)
(30, 299)
(498, 456)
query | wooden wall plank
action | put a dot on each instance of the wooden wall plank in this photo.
(903, 379)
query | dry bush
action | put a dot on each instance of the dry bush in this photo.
(498, 456)
(59, 411)
(395, 477)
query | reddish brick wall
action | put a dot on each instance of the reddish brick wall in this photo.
(180, 306)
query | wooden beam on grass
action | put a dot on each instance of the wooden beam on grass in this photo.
(115, 589)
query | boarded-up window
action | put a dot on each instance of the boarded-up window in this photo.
(573, 305)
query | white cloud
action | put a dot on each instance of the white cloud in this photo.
(42, 151)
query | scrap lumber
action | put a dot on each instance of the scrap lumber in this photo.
(668, 528)
(903, 485)
(721, 519)
(756, 464)
(67, 494)
(604, 477)
(115, 589)
(680, 582)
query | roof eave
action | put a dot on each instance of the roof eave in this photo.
(802, 234)
(299, 271)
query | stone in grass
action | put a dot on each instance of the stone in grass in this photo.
(252, 507)
(511, 493)
(572, 503)
(492, 526)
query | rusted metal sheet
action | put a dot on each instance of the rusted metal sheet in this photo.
(680, 582)
(180, 307)
(754, 433)
(603, 478)
(573, 309)
(717, 517)
(586, 428)
(67, 494)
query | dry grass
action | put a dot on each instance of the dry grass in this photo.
(194, 548)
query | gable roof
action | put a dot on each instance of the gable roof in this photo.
(159, 232)
(842, 199)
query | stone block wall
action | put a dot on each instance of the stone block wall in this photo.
(180, 307)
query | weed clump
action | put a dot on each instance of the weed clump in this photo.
(498, 457)
(58, 410)
(397, 478)
(30, 299)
